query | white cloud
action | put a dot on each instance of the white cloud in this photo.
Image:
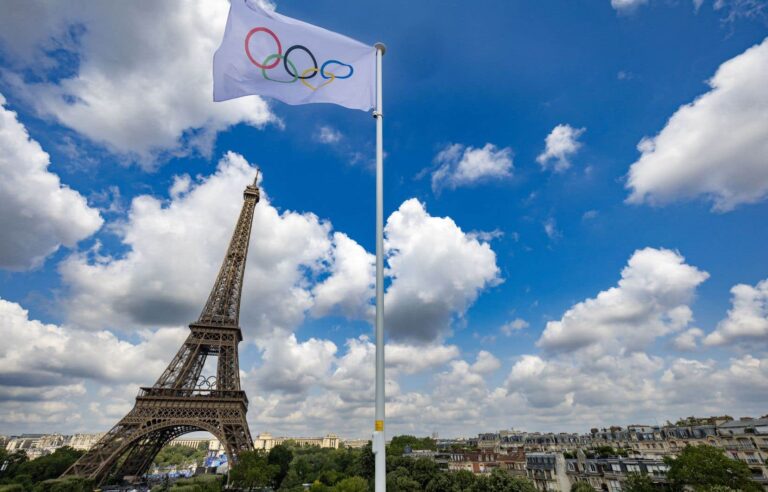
(747, 320)
(295, 266)
(45, 354)
(437, 272)
(486, 363)
(689, 339)
(550, 228)
(516, 325)
(143, 80)
(350, 285)
(562, 143)
(626, 6)
(294, 367)
(44, 369)
(459, 165)
(716, 146)
(328, 135)
(38, 213)
(152, 283)
(651, 300)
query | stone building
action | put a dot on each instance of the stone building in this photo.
(266, 442)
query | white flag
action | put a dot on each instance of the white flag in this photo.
(268, 54)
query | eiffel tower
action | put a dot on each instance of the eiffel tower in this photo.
(182, 400)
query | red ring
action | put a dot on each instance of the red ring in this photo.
(248, 50)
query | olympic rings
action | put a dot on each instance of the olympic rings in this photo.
(337, 62)
(314, 71)
(304, 48)
(277, 60)
(274, 59)
(248, 49)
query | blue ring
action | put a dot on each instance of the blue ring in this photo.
(351, 69)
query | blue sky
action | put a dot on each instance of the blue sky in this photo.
(492, 276)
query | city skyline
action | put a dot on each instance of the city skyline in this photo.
(575, 216)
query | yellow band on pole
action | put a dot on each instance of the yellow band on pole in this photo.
(379, 426)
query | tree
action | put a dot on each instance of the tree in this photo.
(12, 462)
(582, 487)
(253, 470)
(400, 480)
(280, 456)
(423, 471)
(608, 451)
(398, 444)
(367, 462)
(702, 467)
(51, 465)
(638, 483)
(352, 484)
(501, 481)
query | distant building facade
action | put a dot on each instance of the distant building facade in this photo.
(266, 442)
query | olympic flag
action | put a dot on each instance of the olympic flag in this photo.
(268, 54)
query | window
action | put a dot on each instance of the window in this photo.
(633, 468)
(614, 486)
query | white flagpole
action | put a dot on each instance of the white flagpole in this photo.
(378, 433)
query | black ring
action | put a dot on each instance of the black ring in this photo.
(299, 47)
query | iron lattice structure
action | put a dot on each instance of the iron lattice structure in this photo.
(182, 400)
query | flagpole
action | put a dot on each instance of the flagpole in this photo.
(378, 444)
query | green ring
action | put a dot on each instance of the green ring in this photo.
(289, 62)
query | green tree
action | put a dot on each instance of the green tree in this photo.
(501, 481)
(253, 470)
(400, 480)
(582, 487)
(352, 484)
(177, 455)
(608, 451)
(49, 466)
(12, 463)
(367, 462)
(703, 467)
(638, 483)
(281, 456)
(15, 487)
(397, 445)
(424, 470)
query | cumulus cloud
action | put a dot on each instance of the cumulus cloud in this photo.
(459, 165)
(598, 366)
(296, 265)
(350, 285)
(747, 320)
(516, 325)
(138, 86)
(48, 354)
(689, 339)
(715, 146)
(437, 272)
(44, 367)
(561, 145)
(651, 300)
(39, 214)
(152, 283)
(294, 367)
